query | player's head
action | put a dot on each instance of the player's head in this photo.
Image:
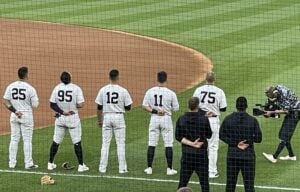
(241, 103)
(65, 77)
(210, 77)
(194, 103)
(184, 189)
(271, 93)
(162, 76)
(22, 72)
(114, 75)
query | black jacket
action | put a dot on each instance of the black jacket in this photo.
(237, 127)
(193, 125)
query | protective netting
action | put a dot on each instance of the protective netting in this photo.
(249, 45)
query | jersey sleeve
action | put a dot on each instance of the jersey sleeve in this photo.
(34, 98)
(175, 104)
(99, 98)
(146, 99)
(53, 96)
(223, 102)
(79, 96)
(7, 93)
(128, 100)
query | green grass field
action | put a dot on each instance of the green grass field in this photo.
(252, 43)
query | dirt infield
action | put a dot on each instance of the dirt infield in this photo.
(89, 53)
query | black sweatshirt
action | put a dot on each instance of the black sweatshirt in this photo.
(193, 125)
(237, 127)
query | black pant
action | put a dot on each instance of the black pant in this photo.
(197, 163)
(247, 168)
(286, 132)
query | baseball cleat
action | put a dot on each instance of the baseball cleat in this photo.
(171, 171)
(285, 158)
(51, 166)
(32, 167)
(123, 171)
(102, 170)
(270, 157)
(12, 166)
(213, 175)
(82, 168)
(148, 171)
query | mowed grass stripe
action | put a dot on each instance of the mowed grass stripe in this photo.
(259, 47)
(228, 40)
(116, 13)
(220, 28)
(181, 7)
(66, 8)
(175, 18)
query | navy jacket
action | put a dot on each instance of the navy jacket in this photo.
(193, 125)
(237, 127)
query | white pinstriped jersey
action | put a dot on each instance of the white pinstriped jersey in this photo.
(113, 98)
(211, 98)
(21, 95)
(161, 98)
(67, 96)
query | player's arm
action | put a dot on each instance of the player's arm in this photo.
(34, 99)
(99, 115)
(279, 111)
(58, 110)
(10, 107)
(79, 105)
(127, 108)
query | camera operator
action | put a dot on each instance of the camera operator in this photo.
(289, 105)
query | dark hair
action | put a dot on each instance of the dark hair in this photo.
(22, 72)
(65, 77)
(194, 103)
(210, 77)
(162, 76)
(113, 74)
(241, 103)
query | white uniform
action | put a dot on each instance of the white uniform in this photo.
(67, 96)
(113, 98)
(23, 97)
(161, 98)
(212, 99)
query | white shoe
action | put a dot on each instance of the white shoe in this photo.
(51, 166)
(123, 171)
(148, 171)
(32, 167)
(270, 158)
(213, 175)
(294, 158)
(171, 171)
(102, 170)
(12, 166)
(82, 168)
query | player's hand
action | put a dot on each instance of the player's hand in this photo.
(161, 112)
(18, 114)
(210, 114)
(243, 145)
(197, 143)
(68, 113)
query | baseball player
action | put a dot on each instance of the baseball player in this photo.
(213, 100)
(112, 102)
(160, 102)
(289, 105)
(20, 97)
(65, 100)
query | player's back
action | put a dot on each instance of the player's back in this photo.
(161, 97)
(67, 96)
(113, 98)
(211, 98)
(21, 95)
